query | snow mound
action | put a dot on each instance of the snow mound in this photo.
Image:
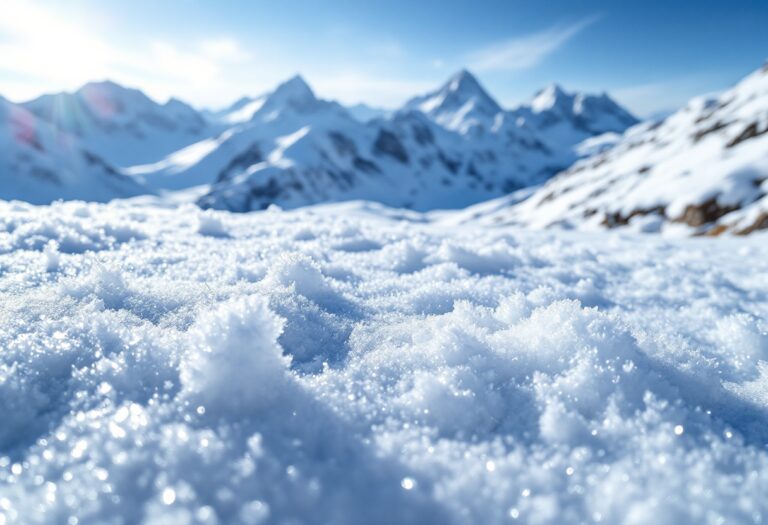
(235, 364)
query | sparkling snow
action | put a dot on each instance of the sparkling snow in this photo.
(353, 364)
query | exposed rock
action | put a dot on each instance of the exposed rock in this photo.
(761, 223)
(749, 132)
(387, 143)
(612, 220)
(704, 213)
(717, 126)
(247, 158)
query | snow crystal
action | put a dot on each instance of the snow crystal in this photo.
(340, 365)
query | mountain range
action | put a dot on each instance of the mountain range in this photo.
(574, 160)
(449, 148)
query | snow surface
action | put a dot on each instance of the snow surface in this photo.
(354, 364)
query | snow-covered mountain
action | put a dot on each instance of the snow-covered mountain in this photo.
(461, 104)
(299, 150)
(123, 126)
(240, 111)
(450, 148)
(40, 164)
(701, 170)
(564, 120)
(559, 119)
(447, 149)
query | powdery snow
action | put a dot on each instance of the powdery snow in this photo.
(358, 364)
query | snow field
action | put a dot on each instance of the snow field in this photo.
(354, 364)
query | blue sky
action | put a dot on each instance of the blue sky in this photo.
(651, 55)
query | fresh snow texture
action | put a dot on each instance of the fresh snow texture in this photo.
(354, 364)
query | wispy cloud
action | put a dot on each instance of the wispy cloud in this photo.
(526, 51)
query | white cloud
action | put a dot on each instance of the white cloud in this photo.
(43, 48)
(526, 51)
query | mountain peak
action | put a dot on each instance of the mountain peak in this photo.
(466, 87)
(550, 97)
(294, 92)
(108, 88)
(464, 80)
(460, 103)
(295, 88)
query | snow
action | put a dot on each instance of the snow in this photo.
(352, 363)
(460, 104)
(245, 113)
(567, 121)
(365, 113)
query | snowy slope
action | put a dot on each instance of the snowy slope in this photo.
(340, 365)
(40, 164)
(122, 125)
(702, 169)
(239, 112)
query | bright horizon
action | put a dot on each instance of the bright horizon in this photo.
(650, 58)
